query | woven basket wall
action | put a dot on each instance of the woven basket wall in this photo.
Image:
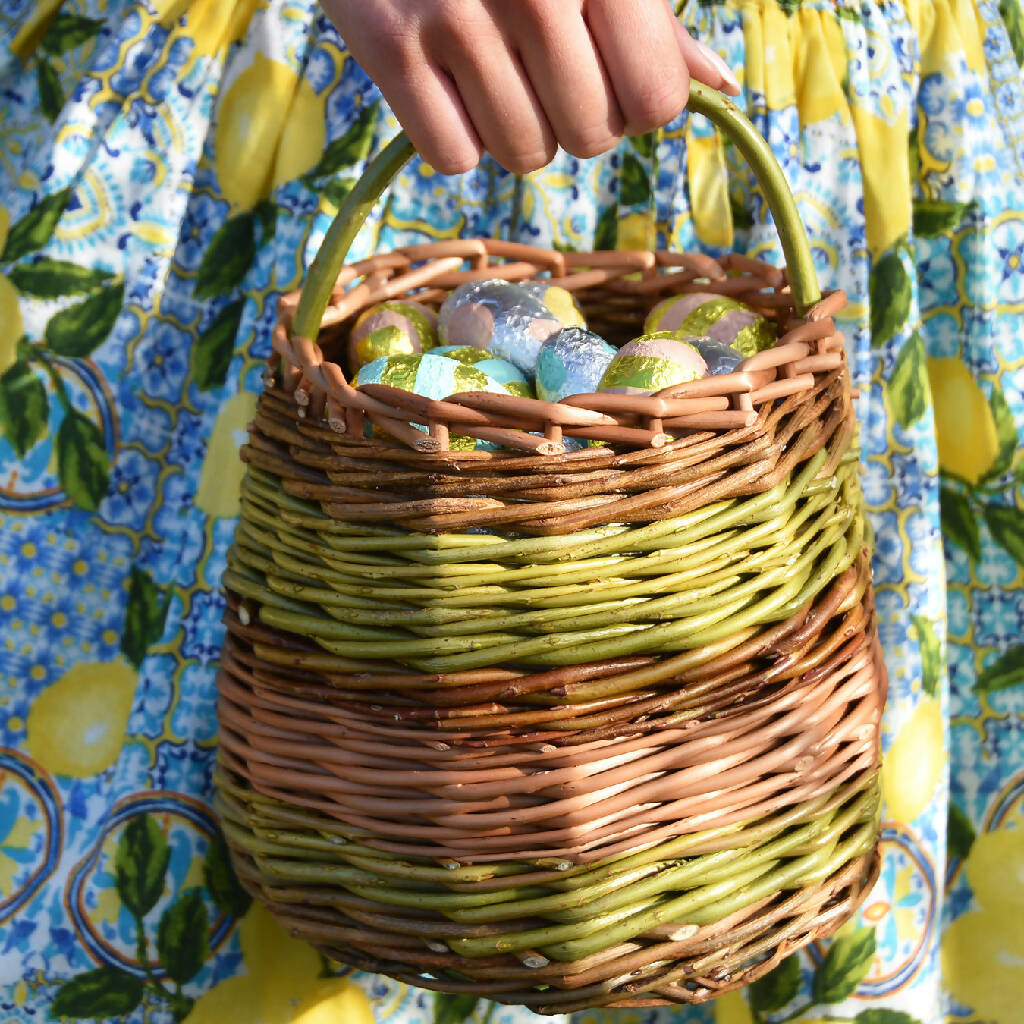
(563, 730)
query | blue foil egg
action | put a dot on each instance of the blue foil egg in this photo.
(571, 362)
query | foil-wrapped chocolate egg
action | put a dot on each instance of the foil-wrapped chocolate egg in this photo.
(432, 376)
(704, 314)
(500, 317)
(650, 363)
(559, 300)
(571, 362)
(721, 358)
(501, 370)
(391, 329)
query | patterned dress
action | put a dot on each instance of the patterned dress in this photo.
(169, 167)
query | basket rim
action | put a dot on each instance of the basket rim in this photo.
(810, 346)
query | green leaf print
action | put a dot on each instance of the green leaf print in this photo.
(935, 217)
(80, 329)
(145, 616)
(908, 390)
(1006, 524)
(958, 522)
(884, 1017)
(216, 345)
(844, 968)
(451, 1008)
(1013, 19)
(889, 290)
(69, 31)
(742, 218)
(635, 185)
(221, 880)
(931, 654)
(352, 148)
(52, 279)
(1004, 672)
(265, 212)
(51, 95)
(228, 257)
(960, 834)
(141, 864)
(1006, 434)
(643, 144)
(36, 228)
(182, 937)
(82, 461)
(337, 190)
(98, 995)
(777, 988)
(24, 407)
(606, 233)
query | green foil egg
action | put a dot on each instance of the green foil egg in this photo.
(651, 363)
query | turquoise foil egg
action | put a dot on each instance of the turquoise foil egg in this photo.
(571, 362)
(433, 376)
(500, 370)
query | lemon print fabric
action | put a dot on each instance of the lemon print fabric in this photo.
(77, 726)
(283, 983)
(915, 763)
(267, 112)
(169, 168)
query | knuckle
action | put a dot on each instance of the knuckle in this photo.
(454, 23)
(525, 161)
(590, 142)
(653, 104)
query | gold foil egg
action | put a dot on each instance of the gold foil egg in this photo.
(650, 363)
(703, 314)
(391, 329)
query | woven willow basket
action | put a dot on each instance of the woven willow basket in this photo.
(563, 730)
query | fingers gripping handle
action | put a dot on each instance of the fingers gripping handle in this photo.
(723, 112)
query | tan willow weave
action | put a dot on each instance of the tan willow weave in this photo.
(562, 730)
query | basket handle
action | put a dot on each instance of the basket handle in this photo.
(723, 112)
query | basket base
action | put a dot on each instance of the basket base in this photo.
(701, 964)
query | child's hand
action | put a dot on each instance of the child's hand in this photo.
(519, 77)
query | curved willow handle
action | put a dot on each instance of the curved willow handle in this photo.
(722, 111)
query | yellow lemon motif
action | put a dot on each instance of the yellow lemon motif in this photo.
(914, 764)
(212, 24)
(29, 36)
(282, 985)
(303, 138)
(256, 143)
(635, 231)
(11, 326)
(220, 481)
(732, 1009)
(76, 726)
(965, 429)
(995, 869)
(983, 951)
(21, 838)
(885, 166)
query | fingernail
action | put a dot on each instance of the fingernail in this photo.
(724, 69)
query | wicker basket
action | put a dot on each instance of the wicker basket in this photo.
(563, 730)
